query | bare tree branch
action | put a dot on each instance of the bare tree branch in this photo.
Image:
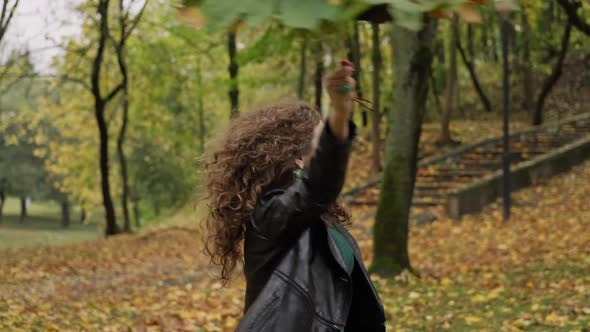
(474, 79)
(571, 9)
(113, 93)
(5, 21)
(135, 21)
(3, 15)
(81, 82)
(9, 85)
(554, 76)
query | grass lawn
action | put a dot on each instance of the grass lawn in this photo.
(41, 227)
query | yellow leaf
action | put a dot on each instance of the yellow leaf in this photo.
(231, 323)
(472, 319)
(192, 16)
(469, 14)
(553, 318)
(478, 298)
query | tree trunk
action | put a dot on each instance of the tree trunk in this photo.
(2, 200)
(233, 75)
(123, 171)
(470, 46)
(554, 77)
(123, 130)
(434, 93)
(111, 221)
(65, 213)
(99, 108)
(200, 107)
(471, 68)
(527, 82)
(319, 74)
(451, 95)
(136, 213)
(513, 37)
(355, 57)
(551, 12)
(484, 38)
(23, 210)
(157, 208)
(377, 64)
(82, 215)
(494, 38)
(302, 69)
(412, 58)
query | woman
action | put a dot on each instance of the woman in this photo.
(273, 182)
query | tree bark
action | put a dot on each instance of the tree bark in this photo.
(355, 55)
(124, 121)
(434, 93)
(377, 64)
(494, 39)
(2, 200)
(551, 13)
(126, 28)
(82, 215)
(470, 46)
(136, 213)
(527, 82)
(233, 75)
(450, 103)
(484, 38)
(157, 208)
(200, 107)
(65, 213)
(23, 210)
(412, 58)
(554, 77)
(474, 79)
(99, 109)
(302, 69)
(123, 165)
(319, 74)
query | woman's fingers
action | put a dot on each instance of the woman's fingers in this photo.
(331, 83)
(342, 73)
(346, 63)
(341, 87)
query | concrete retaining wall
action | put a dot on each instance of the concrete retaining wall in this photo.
(456, 153)
(474, 196)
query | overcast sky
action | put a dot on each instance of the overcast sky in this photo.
(40, 26)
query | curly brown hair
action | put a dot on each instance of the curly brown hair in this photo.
(255, 154)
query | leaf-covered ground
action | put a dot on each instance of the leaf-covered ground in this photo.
(532, 273)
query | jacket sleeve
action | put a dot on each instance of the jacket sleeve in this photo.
(293, 209)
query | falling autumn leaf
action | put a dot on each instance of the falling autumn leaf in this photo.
(192, 16)
(469, 13)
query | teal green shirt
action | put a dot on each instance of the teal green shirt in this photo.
(343, 247)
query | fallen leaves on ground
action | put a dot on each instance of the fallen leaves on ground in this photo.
(531, 273)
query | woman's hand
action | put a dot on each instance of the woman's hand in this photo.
(341, 89)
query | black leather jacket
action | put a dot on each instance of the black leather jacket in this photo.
(296, 279)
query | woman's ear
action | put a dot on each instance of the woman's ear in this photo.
(300, 163)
